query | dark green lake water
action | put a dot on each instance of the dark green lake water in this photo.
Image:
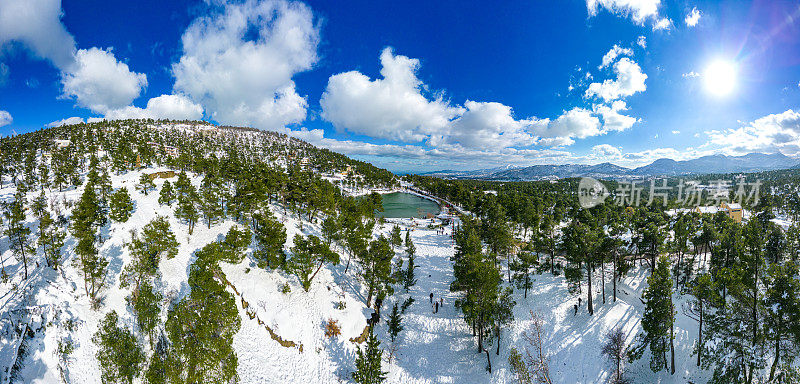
(404, 205)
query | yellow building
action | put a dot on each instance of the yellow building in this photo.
(734, 210)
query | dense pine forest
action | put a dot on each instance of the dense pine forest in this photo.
(183, 252)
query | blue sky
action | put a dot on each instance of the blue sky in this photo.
(421, 85)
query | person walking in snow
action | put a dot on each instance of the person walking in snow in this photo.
(436, 307)
(576, 309)
(431, 294)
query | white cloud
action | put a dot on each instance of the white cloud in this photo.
(612, 55)
(393, 107)
(606, 152)
(642, 41)
(638, 10)
(36, 24)
(675, 132)
(492, 125)
(173, 107)
(5, 118)
(93, 77)
(101, 83)
(693, 17)
(239, 63)
(612, 119)
(662, 25)
(775, 132)
(68, 121)
(575, 123)
(691, 75)
(630, 80)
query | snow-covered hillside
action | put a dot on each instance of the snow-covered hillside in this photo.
(433, 347)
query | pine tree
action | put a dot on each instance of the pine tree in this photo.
(782, 317)
(308, 257)
(86, 219)
(395, 323)
(51, 239)
(270, 236)
(658, 318)
(368, 362)
(409, 279)
(581, 243)
(210, 197)
(120, 205)
(145, 184)
(377, 268)
(202, 325)
(395, 237)
(166, 195)
(330, 229)
(146, 305)
(119, 355)
(18, 233)
(156, 241)
(522, 268)
(187, 208)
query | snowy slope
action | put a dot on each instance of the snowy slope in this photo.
(433, 348)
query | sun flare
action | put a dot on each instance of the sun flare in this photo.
(720, 77)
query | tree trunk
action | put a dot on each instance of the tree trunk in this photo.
(777, 357)
(498, 341)
(488, 360)
(527, 283)
(615, 276)
(603, 280)
(589, 291)
(700, 336)
(672, 346)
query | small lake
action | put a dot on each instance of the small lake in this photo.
(405, 205)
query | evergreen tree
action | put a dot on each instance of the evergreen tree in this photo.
(368, 362)
(51, 239)
(210, 197)
(782, 317)
(145, 184)
(395, 237)
(705, 298)
(187, 208)
(658, 318)
(120, 205)
(201, 327)
(395, 323)
(146, 306)
(87, 217)
(377, 268)
(330, 229)
(18, 233)
(119, 355)
(408, 276)
(166, 195)
(522, 268)
(270, 236)
(580, 244)
(308, 257)
(157, 240)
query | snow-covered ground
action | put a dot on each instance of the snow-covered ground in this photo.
(432, 348)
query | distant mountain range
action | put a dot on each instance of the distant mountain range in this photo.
(752, 162)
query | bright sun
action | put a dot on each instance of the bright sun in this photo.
(720, 77)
